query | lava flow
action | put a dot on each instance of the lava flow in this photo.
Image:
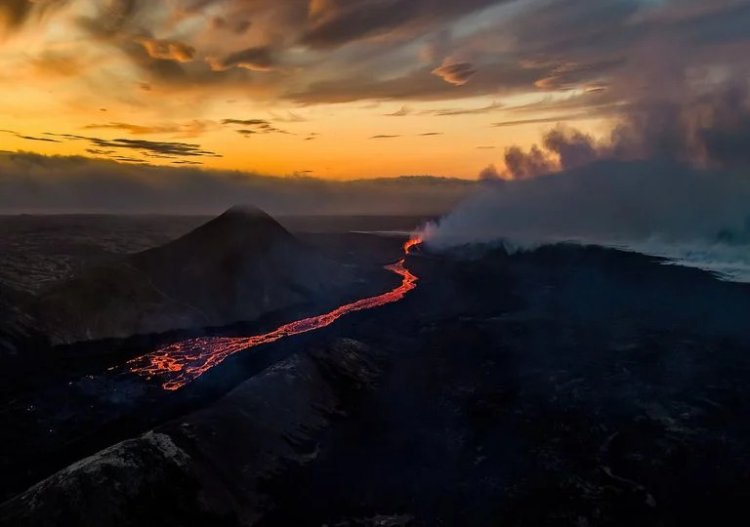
(182, 362)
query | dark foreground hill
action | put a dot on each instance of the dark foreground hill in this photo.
(234, 268)
(208, 468)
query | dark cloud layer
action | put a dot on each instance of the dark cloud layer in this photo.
(419, 84)
(35, 183)
(338, 22)
(349, 50)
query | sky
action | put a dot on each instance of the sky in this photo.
(350, 89)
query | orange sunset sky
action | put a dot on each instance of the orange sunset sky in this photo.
(348, 89)
(322, 87)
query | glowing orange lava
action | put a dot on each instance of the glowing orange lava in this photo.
(182, 362)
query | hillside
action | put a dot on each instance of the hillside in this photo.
(236, 267)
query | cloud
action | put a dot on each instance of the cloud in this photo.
(246, 122)
(167, 49)
(158, 147)
(414, 85)
(543, 120)
(709, 130)
(129, 160)
(235, 26)
(15, 13)
(288, 117)
(402, 112)
(451, 112)
(571, 75)
(191, 129)
(146, 148)
(31, 137)
(339, 51)
(254, 126)
(58, 63)
(336, 22)
(456, 73)
(259, 58)
(70, 137)
(384, 136)
(98, 152)
(35, 183)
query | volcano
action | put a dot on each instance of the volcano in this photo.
(237, 267)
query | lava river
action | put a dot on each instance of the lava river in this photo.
(180, 363)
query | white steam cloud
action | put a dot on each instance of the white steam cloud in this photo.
(692, 217)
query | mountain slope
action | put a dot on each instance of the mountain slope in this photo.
(236, 267)
(213, 466)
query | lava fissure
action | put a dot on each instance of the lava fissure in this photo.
(180, 363)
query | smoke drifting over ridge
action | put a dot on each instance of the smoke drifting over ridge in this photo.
(692, 216)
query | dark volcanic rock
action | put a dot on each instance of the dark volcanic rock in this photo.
(563, 386)
(21, 343)
(16, 326)
(234, 268)
(211, 467)
(40, 250)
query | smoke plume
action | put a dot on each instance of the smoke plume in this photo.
(672, 179)
(694, 216)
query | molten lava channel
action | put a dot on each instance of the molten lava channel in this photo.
(180, 363)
